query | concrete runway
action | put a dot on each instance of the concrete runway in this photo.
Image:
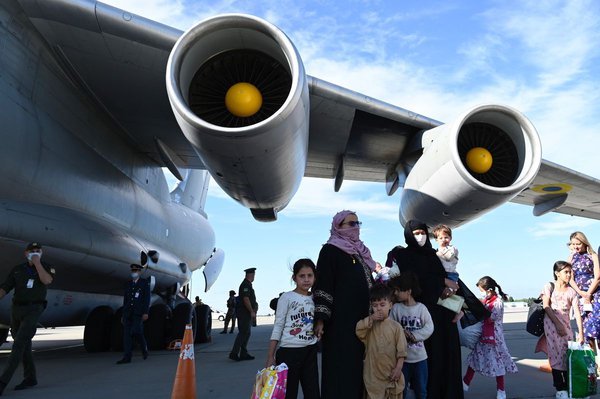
(65, 370)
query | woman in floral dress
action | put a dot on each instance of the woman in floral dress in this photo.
(490, 356)
(586, 276)
(558, 301)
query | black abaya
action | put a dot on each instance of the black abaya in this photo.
(341, 296)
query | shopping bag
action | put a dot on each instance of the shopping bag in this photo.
(581, 366)
(270, 383)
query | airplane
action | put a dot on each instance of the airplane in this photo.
(98, 100)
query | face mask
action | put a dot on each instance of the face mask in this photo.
(421, 239)
(135, 275)
(32, 254)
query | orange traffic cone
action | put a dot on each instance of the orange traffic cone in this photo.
(185, 379)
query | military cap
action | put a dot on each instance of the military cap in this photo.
(135, 266)
(33, 245)
(231, 292)
(250, 270)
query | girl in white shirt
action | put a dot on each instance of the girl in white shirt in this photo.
(293, 332)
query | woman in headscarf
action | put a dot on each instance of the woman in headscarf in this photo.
(341, 295)
(443, 347)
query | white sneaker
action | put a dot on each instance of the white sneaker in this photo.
(562, 395)
(465, 387)
(501, 395)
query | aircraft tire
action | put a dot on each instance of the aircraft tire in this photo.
(96, 335)
(181, 316)
(203, 324)
(155, 328)
(116, 331)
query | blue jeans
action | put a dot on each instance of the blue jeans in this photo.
(416, 374)
(452, 276)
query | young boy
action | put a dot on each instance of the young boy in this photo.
(414, 317)
(448, 255)
(385, 348)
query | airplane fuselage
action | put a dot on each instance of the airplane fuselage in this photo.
(71, 179)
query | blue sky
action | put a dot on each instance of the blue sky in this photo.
(438, 59)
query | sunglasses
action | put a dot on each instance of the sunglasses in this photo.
(352, 223)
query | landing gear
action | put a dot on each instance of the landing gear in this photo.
(203, 324)
(116, 331)
(182, 315)
(155, 328)
(97, 333)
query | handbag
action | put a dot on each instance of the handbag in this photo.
(581, 366)
(535, 316)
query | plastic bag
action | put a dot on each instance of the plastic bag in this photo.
(582, 370)
(469, 335)
(270, 383)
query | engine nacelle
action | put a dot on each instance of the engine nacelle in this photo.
(444, 187)
(258, 159)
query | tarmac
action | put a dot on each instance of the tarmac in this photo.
(65, 370)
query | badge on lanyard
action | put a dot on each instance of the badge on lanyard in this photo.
(30, 283)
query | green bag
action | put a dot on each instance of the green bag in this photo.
(582, 370)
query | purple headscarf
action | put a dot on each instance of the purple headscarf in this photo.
(348, 239)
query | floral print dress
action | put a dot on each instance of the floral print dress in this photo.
(556, 346)
(583, 274)
(493, 360)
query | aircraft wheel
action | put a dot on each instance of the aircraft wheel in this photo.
(182, 315)
(116, 332)
(96, 335)
(203, 324)
(155, 328)
(3, 334)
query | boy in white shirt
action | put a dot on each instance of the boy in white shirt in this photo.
(414, 317)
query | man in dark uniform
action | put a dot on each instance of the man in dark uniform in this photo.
(230, 316)
(29, 280)
(245, 312)
(136, 305)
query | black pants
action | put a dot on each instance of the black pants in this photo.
(24, 321)
(240, 346)
(560, 378)
(302, 368)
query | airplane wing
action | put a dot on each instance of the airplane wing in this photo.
(562, 190)
(118, 60)
(309, 127)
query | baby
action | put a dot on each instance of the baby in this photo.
(448, 255)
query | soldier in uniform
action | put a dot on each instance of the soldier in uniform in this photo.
(29, 280)
(136, 305)
(230, 316)
(245, 312)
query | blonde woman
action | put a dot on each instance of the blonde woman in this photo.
(585, 280)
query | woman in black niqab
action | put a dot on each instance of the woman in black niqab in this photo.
(443, 347)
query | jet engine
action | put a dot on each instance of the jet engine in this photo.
(239, 92)
(481, 160)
